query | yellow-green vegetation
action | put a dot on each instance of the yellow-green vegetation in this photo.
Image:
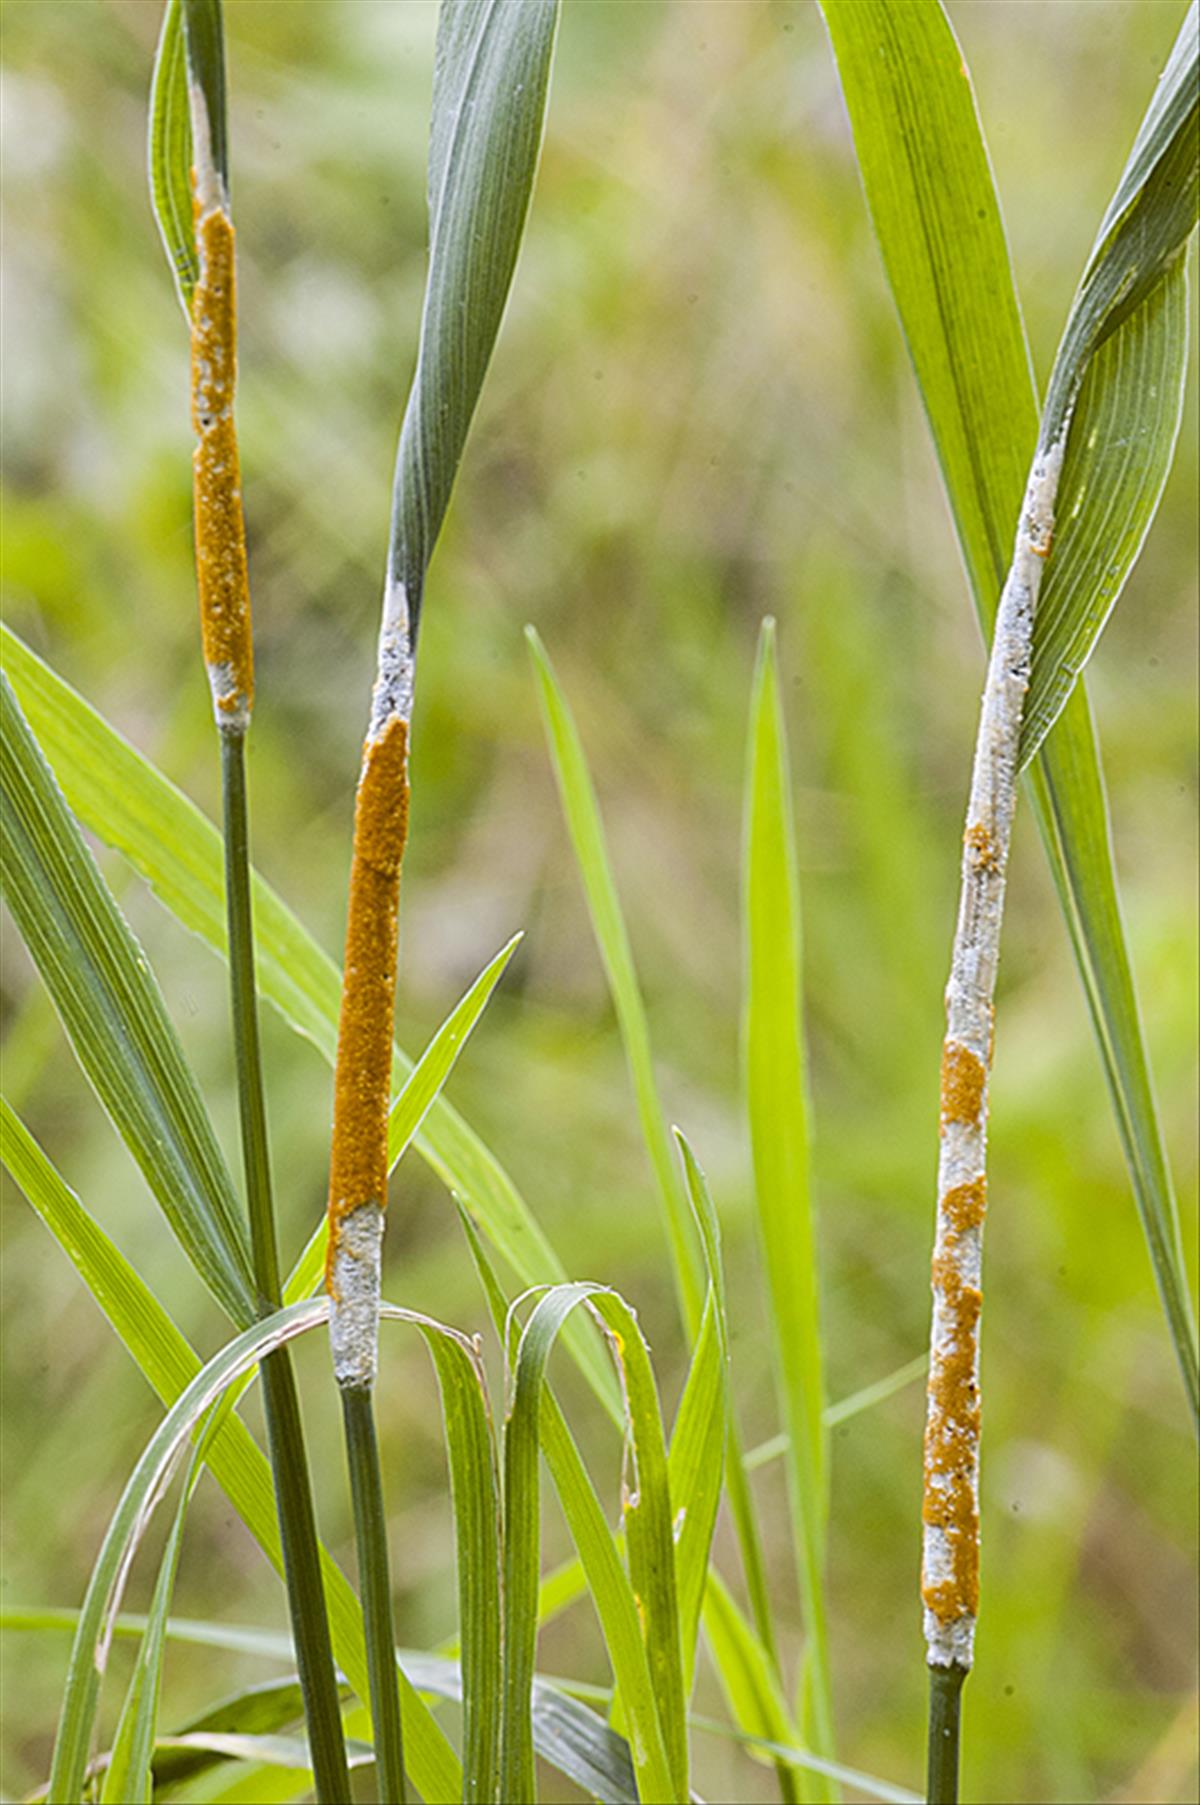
(701, 412)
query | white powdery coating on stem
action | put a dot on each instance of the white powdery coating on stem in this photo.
(210, 189)
(231, 708)
(354, 1297)
(962, 1160)
(392, 696)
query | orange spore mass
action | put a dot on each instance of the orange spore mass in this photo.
(963, 1080)
(362, 1082)
(220, 528)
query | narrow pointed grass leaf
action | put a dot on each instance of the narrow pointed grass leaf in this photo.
(646, 1513)
(777, 1106)
(845, 1408)
(169, 154)
(490, 84)
(607, 1581)
(111, 1007)
(237, 1463)
(748, 1679)
(475, 1495)
(701, 1428)
(128, 1778)
(418, 1093)
(870, 1784)
(126, 802)
(584, 823)
(567, 1734)
(933, 203)
(582, 812)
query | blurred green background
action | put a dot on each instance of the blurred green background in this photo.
(700, 412)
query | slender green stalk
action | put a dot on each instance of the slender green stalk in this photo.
(285, 1434)
(370, 1524)
(945, 1703)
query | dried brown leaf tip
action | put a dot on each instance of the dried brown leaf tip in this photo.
(221, 572)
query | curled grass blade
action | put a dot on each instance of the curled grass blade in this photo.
(128, 1778)
(929, 188)
(235, 1460)
(112, 1009)
(126, 802)
(647, 1517)
(777, 1105)
(169, 155)
(607, 1581)
(567, 1734)
(1123, 436)
(144, 1488)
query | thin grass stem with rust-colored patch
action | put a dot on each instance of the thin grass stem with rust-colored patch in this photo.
(224, 594)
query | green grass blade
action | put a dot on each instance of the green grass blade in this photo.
(1119, 454)
(169, 154)
(582, 812)
(607, 1581)
(1145, 227)
(869, 1784)
(125, 801)
(777, 1104)
(608, 924)
(845, 1408)
(128, 1779)
(929, 188)
(235, 1460)
(701, 1429)
(490, 85)
(112, 1009)
(204, 40)
(475, 1493)
(567, 1734)
(419, 1092)
(1075, 809)
(89, 1651)
(748, 1679)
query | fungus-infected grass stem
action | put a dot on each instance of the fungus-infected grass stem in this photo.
(370, 1524)
(950, 1512)
(358, 1166)
(224, 594)
(945, 1709)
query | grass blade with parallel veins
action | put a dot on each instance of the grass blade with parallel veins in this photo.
(144, 1487)
(113, 1011)
(128, 1779)
(120, 796)
(237, 1463)
(607, 1581)
(933, 202)
(777, 1106)
(586, 828)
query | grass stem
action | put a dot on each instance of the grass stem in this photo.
(285, 1435)
(370, 1524)
(945, 1703)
